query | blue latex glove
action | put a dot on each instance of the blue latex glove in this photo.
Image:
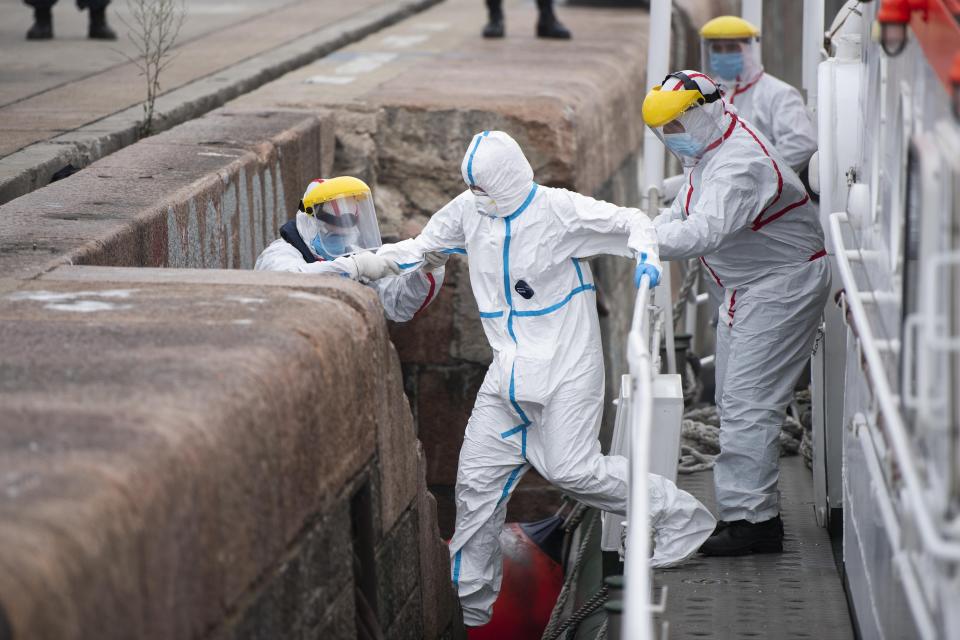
(647, 267)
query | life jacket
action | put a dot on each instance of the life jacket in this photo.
(289, 233)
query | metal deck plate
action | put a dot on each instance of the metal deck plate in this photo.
(796, 594)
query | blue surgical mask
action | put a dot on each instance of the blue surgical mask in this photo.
(331, 247)
(727, 65)
(683, 144)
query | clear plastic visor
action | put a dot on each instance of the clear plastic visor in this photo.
(730, 61)
(690, 135)
(345, 225)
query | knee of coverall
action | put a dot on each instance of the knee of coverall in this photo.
(573, 478)
(746, 411)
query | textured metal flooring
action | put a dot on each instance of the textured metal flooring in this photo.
(796, 594)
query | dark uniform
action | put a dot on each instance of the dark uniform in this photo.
(81, 4)
(547, 26)
(42, 28)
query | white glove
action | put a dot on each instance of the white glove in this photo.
(434, 260)
(369, 266)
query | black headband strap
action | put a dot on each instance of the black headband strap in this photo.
(690, 85)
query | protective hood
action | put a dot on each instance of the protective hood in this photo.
(495, 163)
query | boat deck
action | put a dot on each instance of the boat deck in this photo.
(796, 594)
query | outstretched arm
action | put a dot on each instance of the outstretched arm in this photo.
(280, 255)
(406, 295)
(363, 267)
(443, 233)
(594, 227)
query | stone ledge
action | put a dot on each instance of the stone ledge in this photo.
(165, 440)
(209, 193)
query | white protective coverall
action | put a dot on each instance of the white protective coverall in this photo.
(402, 296)
(748, 218)
(776, 110)
(541, 401)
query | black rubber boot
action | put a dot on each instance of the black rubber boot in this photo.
(42, 28)
(739, 538)
(494, 28)
(548, 26)
(99, 29)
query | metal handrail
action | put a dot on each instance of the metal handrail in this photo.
(894, 427)
(637, 621)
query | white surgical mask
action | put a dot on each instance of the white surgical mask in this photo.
(486, 205)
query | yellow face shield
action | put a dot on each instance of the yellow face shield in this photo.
(682, 117)
(728, 28)
(661, 106)
(338, 217)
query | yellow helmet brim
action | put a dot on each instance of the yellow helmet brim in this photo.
(341, 187)
(660, 107)
(728, 28)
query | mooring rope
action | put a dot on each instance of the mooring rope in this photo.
(556, 626)
(700, 435)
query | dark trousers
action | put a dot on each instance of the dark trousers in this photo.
(495, 7)
(81, 4)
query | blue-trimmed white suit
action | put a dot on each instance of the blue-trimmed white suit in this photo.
(542, 398)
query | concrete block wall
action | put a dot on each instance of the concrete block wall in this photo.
(182, 449)
(206, 194)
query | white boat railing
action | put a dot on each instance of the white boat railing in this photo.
(894, 429)
(637, 592)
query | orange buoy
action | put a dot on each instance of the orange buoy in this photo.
(531, 583)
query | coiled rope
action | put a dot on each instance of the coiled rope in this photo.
(700, 435)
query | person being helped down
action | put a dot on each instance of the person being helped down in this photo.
(541, 401)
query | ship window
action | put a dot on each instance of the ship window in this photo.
(911, 233)
(910, 276)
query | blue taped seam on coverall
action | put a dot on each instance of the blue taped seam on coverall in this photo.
(472, 154)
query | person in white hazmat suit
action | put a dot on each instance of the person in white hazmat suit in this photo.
(744, 212)
(335, 232)
(541, 401)
(730, 54)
